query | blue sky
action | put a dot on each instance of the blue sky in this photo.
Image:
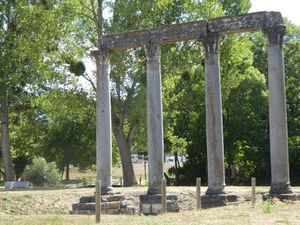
(288, 8)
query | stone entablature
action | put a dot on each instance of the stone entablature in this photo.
(192, 30)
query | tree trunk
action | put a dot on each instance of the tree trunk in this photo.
(6, 154)
(125, 153)
(68, 171)
(177, 165)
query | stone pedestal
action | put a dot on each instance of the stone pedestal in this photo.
(110, 204)
(217, 200)
(152, 204)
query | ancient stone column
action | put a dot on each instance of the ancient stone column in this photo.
(280, 182)
(154, 120)
(103, 122)
(214, 122)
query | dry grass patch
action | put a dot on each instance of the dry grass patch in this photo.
(244, 214)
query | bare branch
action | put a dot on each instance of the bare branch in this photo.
(87, 16)
(85, 6)
(87, 77)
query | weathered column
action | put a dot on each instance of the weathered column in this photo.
(154, 119)
(280, 182)
(151, 203)
(214, 122)
(103, 122)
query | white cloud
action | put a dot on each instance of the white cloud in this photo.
(288, 8)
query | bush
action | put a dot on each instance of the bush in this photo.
(41, 173)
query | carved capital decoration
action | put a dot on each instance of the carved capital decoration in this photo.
(153, 51)
(275, 35)
(101, 55)
(211, 43)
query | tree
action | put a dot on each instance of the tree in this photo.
(29, 55)
(69, 134)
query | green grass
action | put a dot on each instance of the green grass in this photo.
(267, 206)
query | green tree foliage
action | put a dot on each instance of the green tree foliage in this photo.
(30, 55)
(41, 173)
(68, 117)
(235, 7)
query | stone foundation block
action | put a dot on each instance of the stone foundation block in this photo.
(110, 204)
(16, 184)
(152, 205)
(218, 200)
(282, 197)
(104, 198)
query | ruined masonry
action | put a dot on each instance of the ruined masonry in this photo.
(210, 34)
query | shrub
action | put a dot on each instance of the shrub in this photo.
(41, 173)
(266, 206)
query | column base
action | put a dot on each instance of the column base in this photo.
(216, 190)
(106, 190)
(278, 189)
(218, 200)
(282, 197)
(153, 191)
(151, 204)
(283, 192)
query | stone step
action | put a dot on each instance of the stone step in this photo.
(233, 203)
(87, 199)
(110, 204)
(218, 200)
(83, 206)
(82, 212)
(104, 205)
(104, 198)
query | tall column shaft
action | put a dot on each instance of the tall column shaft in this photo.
(280, 182)
(214, 122)
(154, 120)
(103, 123)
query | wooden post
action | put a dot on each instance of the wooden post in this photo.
(163, 195)
(141, 180)
(121, 181)
(253, 184)
(98, 201)
(198, 190)
(145, 169)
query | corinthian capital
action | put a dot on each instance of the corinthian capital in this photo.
(153, 51)
(211, 43)
(275, 34)
(101, 55)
